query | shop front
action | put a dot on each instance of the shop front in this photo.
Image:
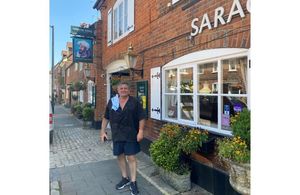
(196, 70)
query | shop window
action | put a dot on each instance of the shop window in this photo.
(186, 89)
(206, 80)
(235, 82)
(208, 110)
(171, 81)
(171, 106)
(120, 20)
(186, 107)
(206, 99)
(230, 107)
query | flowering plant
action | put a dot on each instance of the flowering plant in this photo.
(173, 142)
(193, 140)
(234, 149)
(237, 148)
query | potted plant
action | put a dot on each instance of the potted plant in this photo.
(88, 116)
(168, 150)
(236, 151)
(78, 110)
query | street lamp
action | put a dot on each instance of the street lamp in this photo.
(131, 59)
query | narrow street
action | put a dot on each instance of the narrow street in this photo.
(80, 164)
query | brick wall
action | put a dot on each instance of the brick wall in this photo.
(161, 35)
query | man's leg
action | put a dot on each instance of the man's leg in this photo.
(132, 167)
(122, 165)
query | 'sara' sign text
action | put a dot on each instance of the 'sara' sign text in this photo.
(236, 8)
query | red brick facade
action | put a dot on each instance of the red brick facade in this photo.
(162, 34)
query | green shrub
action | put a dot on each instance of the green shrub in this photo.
(88, 113)
(241, 125)
(167, 151)
(78, 110)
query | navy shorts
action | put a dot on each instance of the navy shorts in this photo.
(128, 148)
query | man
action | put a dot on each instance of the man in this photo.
(127, 119)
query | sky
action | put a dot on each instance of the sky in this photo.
(63, 15)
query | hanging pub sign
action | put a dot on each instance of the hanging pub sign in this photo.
(83, 32)
(82, 50)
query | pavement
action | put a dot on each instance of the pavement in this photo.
(81, 165)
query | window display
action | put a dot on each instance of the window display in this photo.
(207, 79)
(186, 80)
(171, 106)
(186, 107)
(171, 81)
(234, 76)
(208, 110)
(230, 107)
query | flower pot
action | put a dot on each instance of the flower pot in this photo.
(181, 183)
(207, 146)
(239, 177)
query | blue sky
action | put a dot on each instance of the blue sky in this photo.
(63, 15)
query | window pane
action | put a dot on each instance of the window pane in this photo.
(171, 106)
(208, 106)
(186, 107)
(231, 106)
(121, 19)
(207, 79)
(235, 76)
(126, 16)
(115, 23)
(171, 81)
(186, 80)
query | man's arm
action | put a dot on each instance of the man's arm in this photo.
(140, 135)
(103, 127)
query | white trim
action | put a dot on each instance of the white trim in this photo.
(175, 1)
(205, 55)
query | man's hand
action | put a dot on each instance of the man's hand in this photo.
(103, 136)
(140, 136)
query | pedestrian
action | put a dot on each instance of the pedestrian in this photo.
(127, 120)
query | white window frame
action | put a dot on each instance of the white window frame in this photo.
(128, 18)
(109, 27)
(213, 88)
(192, 60)
(175, 1)
(231, 69)
(215, 69)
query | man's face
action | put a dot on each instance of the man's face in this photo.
(123, 90)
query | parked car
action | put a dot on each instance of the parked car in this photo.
(50, 122)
